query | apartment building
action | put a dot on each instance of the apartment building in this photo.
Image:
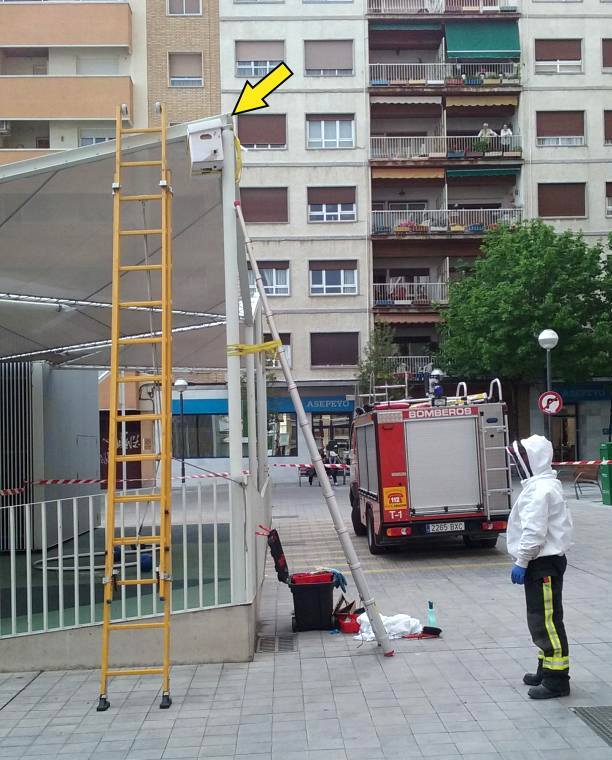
(64, 67)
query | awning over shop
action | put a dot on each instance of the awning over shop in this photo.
(506, 171)
(477, 101)
(404, 173)
(410, 319)
(406, 99)
(482, 39)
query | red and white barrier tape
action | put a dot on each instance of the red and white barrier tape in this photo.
(329, 466)
(584, 461)
(11, 491)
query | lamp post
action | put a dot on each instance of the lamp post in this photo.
(548, 339)
(181, 386)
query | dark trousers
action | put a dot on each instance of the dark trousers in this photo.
(544, 597)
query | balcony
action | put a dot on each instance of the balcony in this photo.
(48, 24)
(63, 97)
(410, 295)
(415, 366)
(432, 222)
(443, 148)
(439, 7)
(451, 76)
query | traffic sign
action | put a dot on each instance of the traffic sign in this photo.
(550, 402)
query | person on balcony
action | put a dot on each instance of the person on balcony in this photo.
(486, 133)
(506, 137)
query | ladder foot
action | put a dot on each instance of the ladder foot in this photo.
(166, 701)
(103, 704)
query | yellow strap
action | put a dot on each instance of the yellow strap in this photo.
(238, 159)
(548, 621)
(240, 349)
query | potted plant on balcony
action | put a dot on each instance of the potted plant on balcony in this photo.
(491, 78)
(480, 146)
(455, 150)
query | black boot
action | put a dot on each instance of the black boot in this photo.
(534, 679)
(545, 692)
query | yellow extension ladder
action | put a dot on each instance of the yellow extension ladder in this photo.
(161, 303)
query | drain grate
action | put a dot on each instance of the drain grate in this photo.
(597, 718)
(276, 644)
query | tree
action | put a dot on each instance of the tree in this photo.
(375, 363)
(531, 278)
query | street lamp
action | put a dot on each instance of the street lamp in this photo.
(181, 386)
(548, 339)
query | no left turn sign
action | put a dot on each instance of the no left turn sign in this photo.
(550, 402)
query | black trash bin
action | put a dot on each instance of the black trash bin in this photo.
(313, 605)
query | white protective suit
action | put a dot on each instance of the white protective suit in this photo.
(540, 523)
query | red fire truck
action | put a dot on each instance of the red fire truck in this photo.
(422, 468)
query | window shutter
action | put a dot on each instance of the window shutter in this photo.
(260, 51)
(608, 189)
(331, 195)
(334, 349)
(264, 204)
(329, 54)
(556, 199)
(285, 338)
(606, 50)
(330, 117)
(185, 64)
(608, 125)
(558, 50)
(273, 264)
(333, 264)
(265, 129)
(560, 123)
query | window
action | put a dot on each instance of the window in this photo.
(185, 69)
(330, 131)
(282, 434)
(329, 278)
(331, 204)
(263, 132)
(334, 349)
(206, 436)
(275, 276)
(561, 199)
(95, 136)
(608, 198)
(42, 142)
(608, 127)
(256, 59)
(328, 58)
(560, 128)
(264, 204)
(272, 361)
(184, 8)
(558, 56)
(606, 53)
(97, 66)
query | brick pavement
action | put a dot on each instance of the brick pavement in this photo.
(333, 699)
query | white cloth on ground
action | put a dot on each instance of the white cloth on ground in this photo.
(395, 625)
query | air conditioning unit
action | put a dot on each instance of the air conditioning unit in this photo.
(5, 127)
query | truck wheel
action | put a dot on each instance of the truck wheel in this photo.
(359, 528)
(372, 545)
(480, 543)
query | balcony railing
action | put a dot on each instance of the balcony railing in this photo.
(413, 7)
(442, 221)
(410, 293)
(414, 365)
(444, 74)
(413, 148)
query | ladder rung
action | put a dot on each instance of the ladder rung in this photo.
(139, 379)
(133, 626)
(130, 304)
(128, 198)
(125, 498)
(125, 233)
(129, 164)
(139, 130)
(140, 582)
(141, 268)
(136, 341)
(496, 469)
(146, 417)
(136, 540)
(499, 490)
(135, 672)
(138, 457)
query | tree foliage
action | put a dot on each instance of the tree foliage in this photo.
(374, 363)
(531, 278)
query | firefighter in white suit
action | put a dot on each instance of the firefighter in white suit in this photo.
(539, 534)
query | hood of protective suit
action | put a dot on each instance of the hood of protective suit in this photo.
(532, 456)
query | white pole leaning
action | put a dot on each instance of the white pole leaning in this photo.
(347, 545)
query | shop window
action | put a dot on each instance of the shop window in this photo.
(282, 434)
(332, 433)
(206, 436)
(564, 434)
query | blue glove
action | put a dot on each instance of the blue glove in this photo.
(518, 574)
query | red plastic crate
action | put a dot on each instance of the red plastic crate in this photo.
(347, 622)
(300, 578)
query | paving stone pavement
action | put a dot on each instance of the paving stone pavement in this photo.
(335, 699)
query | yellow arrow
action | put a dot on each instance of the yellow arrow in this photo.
(252, 98)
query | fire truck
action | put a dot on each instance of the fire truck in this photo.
(431, 467)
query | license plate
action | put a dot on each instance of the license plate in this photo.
(445, 527)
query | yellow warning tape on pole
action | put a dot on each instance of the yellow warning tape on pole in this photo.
(240, 349)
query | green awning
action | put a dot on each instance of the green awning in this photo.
(414, 26)
(482, 39)
(506, 171)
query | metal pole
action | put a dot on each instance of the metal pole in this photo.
(549, 388)
(347, 545)
(183, 440)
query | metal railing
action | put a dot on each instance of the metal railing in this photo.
(481, 6)
(52, 568)
(410, 293)
(437, 221)
(444, 74)
(410, 7)
(405, 148)
(414, 365)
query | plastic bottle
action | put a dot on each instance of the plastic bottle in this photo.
(431, 615)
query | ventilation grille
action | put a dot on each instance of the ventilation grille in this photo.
(597, 718)
(276, 644)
